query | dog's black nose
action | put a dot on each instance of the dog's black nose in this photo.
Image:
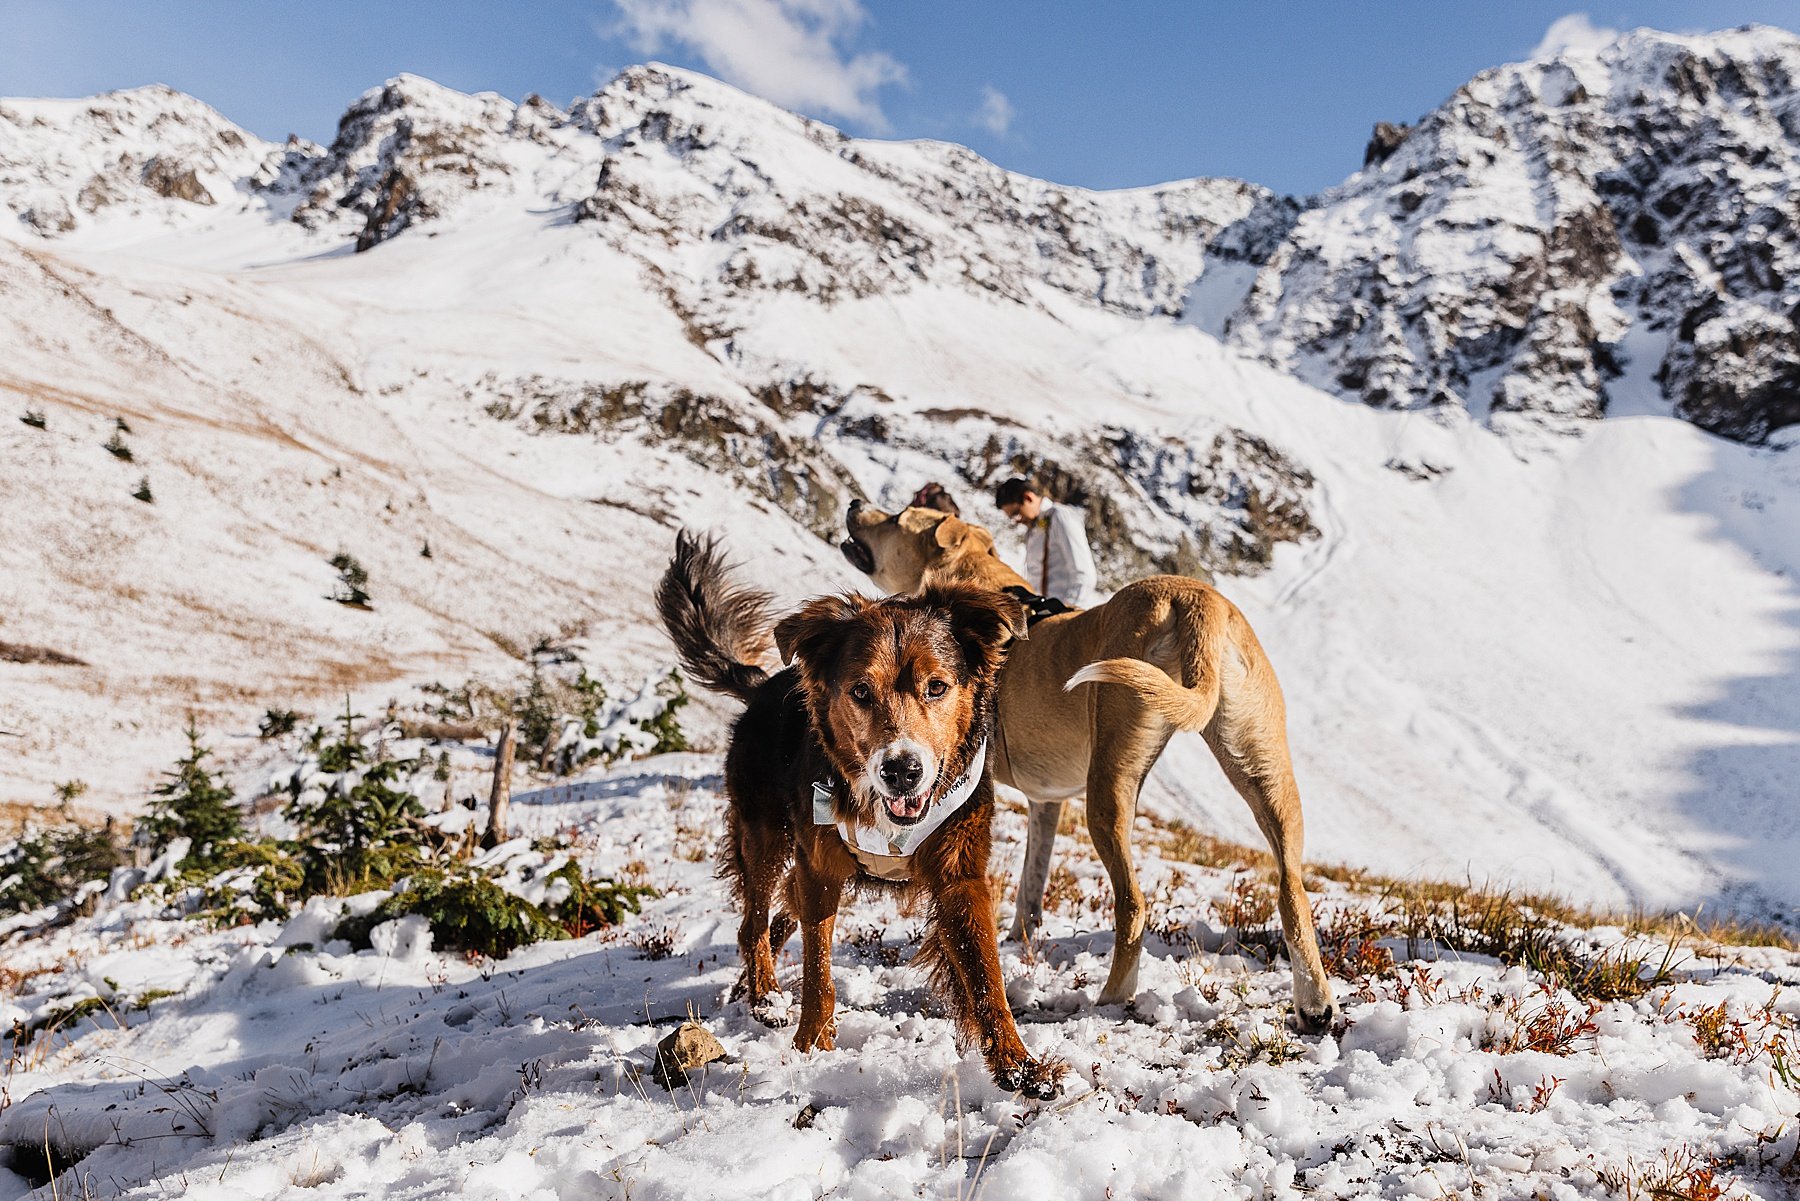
(855, 504)
(902, 774)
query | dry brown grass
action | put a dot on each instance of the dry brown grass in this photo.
(1678, 1174)
(1176, 840)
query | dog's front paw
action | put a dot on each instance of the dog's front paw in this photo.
(773, 1011)
(1038, 1079)
(816, 1036)
(1309, 1022)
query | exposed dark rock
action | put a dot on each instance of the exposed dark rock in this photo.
(177, 181)
(1386, 138)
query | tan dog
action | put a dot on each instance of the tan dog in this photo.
(1186, 659)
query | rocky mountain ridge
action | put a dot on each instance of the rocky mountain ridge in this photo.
(1561, 238)
(1561, 235)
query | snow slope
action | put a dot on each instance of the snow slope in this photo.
(271, 1061)
(1562, 662)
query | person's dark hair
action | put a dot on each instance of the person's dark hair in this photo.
(1012, 492)
(933, 496)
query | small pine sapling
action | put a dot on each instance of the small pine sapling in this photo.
(45, 868)
(666, 726)
(353, 581)
(35, 419)
(592, 695)
(115, 446)
(277, 723)
(195, 806)
(425, 549)
(360, 829)
(142, 492)
(536, 715)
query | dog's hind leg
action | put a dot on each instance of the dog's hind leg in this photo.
(1040, 842)
(756, 857)
(1127, 739)
(1255, 759)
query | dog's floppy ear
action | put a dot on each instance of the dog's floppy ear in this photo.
(950, 531)
(982, 621)
(812, 634)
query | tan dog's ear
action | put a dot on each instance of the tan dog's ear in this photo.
(812, 635)
(950, 531)
(914, 519)
(982, 621)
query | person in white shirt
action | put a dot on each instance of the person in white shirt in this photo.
(1058, 562)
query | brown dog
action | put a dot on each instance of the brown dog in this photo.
(1186, 659)
(865, 763)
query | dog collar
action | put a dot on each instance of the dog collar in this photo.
(877, 851)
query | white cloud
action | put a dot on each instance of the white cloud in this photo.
(996, 112)
(1576, 33)
(796, 53)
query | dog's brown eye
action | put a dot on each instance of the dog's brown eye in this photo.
(936, 689)
(861, 694)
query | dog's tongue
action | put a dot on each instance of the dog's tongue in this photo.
(907, 808)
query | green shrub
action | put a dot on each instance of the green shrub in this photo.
(666, 726)
(466, 912)
(276, 723)
(277, 881)
(592, 904)
(47, 866)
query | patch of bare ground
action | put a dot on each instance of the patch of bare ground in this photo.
(20, 652)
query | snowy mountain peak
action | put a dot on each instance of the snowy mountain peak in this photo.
(1596, 231)
(147, 151)
(406, 152)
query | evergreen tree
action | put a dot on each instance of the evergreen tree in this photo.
(353, 581)
(536, 713)
(666, 725)
(193, 805)
(355, 830)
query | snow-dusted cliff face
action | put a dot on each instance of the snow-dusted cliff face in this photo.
(498, 351)
(1563, 238)
(148, 154)
(750, 198)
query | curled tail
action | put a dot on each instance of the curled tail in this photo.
(1200, 635)
(719, 628)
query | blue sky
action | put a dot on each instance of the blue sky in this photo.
(1109, 93)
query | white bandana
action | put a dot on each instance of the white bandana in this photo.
(905, 840)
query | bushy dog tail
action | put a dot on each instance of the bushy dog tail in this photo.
(719, 628)
(1201, 634)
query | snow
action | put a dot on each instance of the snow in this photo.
(1549, 656)
(402, 1072)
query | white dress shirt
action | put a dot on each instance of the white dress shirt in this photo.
(1057, 559)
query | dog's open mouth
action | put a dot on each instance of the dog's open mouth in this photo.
(907, 809)
(860, 556)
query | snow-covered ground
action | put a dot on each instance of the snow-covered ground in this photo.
(268, 1065)
(1550, 660)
